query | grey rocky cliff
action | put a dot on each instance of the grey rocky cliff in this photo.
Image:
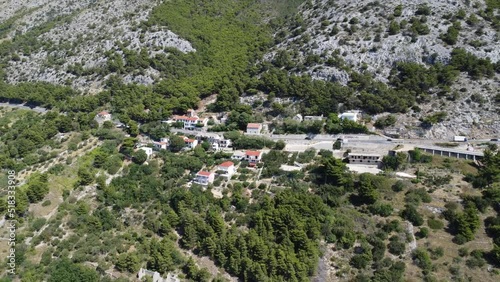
(370, 47)
(93, 27)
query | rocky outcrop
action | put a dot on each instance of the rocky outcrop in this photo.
(89, 30)
(356, 33)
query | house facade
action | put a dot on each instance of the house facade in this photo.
(350, 115)
(313, 118)
(204, 177)
(253, 157)
(147, 150)
(190, 122)
(362, 158)
(103, 116)
(190, 143)
(160, 145)
(227, 168)
(254, 128)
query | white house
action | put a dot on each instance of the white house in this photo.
(204, 177)
(165, 139)
(225, 143)
(238, 155)
(190, 143)
(215, 146)
(156, 277)
(103, 116)
(313, 118)
(190, 122)
(298, 117)
(351, 115)
(160, 145)
(228, 168)
(253, 157)
(147, 150)
(254, 128)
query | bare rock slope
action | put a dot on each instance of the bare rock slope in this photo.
(373, 35)
(83, 32)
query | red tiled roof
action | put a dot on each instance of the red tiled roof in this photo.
(204, 173)
(226, 164)
(254, 125)
(103, 113)
(253, 153)
(185, 118)
(189, 140)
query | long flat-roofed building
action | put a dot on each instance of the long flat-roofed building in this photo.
(364, 158)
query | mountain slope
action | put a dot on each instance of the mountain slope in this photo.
(75, 37)
(330, 39)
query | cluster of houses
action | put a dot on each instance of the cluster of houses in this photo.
(228, 168)
(216, 142)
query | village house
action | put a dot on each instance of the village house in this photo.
(216, 141)
(191, 123)
(253, 157)
(298, 117)
(238, 156)
(190, 143)
(227, 169)
(156, 276)
(254, 128)
(103, 116)
(160, 145)
(350, 115)
(313, 118)
(147, 150)
(204, 177)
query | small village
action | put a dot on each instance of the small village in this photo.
(363, 153)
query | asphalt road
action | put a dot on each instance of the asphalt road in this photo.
(351, 138)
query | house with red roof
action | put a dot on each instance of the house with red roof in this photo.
(103, 116)
(160, 145)
(204, 177)
(191, 120)
(190, 143)
(253, 157)
(254, 128)
(227, 169)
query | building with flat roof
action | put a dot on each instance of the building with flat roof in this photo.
(364, 158)
(350, 115)
(452, 153)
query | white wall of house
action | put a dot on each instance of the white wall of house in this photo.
(204, 180)
(228, 170)
(253, 130)
(147, 150)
